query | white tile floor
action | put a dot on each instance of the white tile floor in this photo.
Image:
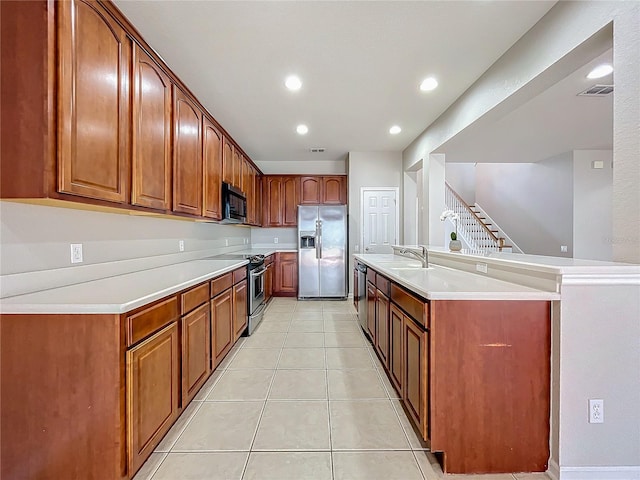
(303, 398)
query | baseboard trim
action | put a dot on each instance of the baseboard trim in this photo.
(599, 473)
(553, 470)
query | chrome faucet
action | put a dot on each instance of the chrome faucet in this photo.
(423, 256)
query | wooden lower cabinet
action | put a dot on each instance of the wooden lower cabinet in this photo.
(396, 348)
(196, 351)
(221, 325)
(382, 327)
(153, 389)
(416, 386)
(240, 309)
(286, 274)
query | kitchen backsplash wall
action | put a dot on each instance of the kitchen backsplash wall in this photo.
(266, 237)
(35, 241)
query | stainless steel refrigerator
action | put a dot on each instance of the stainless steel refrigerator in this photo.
(322, 251)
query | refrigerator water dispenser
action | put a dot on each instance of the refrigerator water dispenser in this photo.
(307, 239)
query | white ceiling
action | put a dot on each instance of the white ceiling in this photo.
(554, 122)
(360, 62)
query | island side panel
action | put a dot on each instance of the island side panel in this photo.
(490, 378)
(61, 397)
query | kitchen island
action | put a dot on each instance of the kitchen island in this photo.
(577, 364)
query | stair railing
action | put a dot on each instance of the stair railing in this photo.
(469, 222)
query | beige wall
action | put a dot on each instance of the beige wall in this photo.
(370, 169)
(37, 238)
(311, 167)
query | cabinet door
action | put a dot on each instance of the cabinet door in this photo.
(227, 161)
(196, 351)
(396, 352)
(259, 200)
(251, 195)
(151, 174)
(221, 325)
(268, 283)
(237, 169)
(382, 327)
(240, 309)
(153, 387)
(187, 155)
(212, 165)
(289, 199)
(286, 283)
(272, 200)
(310, 190)
(334, 190)
(93, 103)
(415, 386)
(371, 311)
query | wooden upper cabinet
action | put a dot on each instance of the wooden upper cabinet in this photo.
(323, 190)
(227, 161)
(93, 103)
(290, 198)
(187, 155)
(310, 190)
(212, 162)
(334, 190)
(237, 169)
(281, 196)
(272, 192)
(151, 174)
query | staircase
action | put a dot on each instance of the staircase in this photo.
(475, 228)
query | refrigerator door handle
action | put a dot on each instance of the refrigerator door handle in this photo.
(318, 238)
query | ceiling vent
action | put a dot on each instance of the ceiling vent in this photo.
(317, 150)
(597, 91)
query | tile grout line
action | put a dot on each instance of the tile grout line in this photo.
(264, 406)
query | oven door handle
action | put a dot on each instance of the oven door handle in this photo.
(259, 272)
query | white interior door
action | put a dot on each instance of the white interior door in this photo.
(379, 219)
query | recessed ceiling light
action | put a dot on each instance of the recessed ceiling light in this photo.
(428, 84)
(302, 129)
(600, 71)
(293, 82)
(395, 130)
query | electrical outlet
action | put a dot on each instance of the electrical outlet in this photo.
(181, 245)
(226, 242)
(76, 253)
(596, 410)
(245, 240)
(481, 267)
(563, 248)
(275, 239)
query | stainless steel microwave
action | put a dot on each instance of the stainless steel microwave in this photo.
(234, 205)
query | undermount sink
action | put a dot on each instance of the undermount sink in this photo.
(401, 265)
(414, 268)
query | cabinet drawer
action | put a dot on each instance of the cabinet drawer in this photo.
(371, 275)
(194, 298)
(414, 307)
(268, 260)
(220, 284)
(145, 322)
(383, 284)
(239, 275)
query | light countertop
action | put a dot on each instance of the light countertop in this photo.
(121, 293)
(442, 283)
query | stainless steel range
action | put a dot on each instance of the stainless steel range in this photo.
(255, 279)
(255, 304)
